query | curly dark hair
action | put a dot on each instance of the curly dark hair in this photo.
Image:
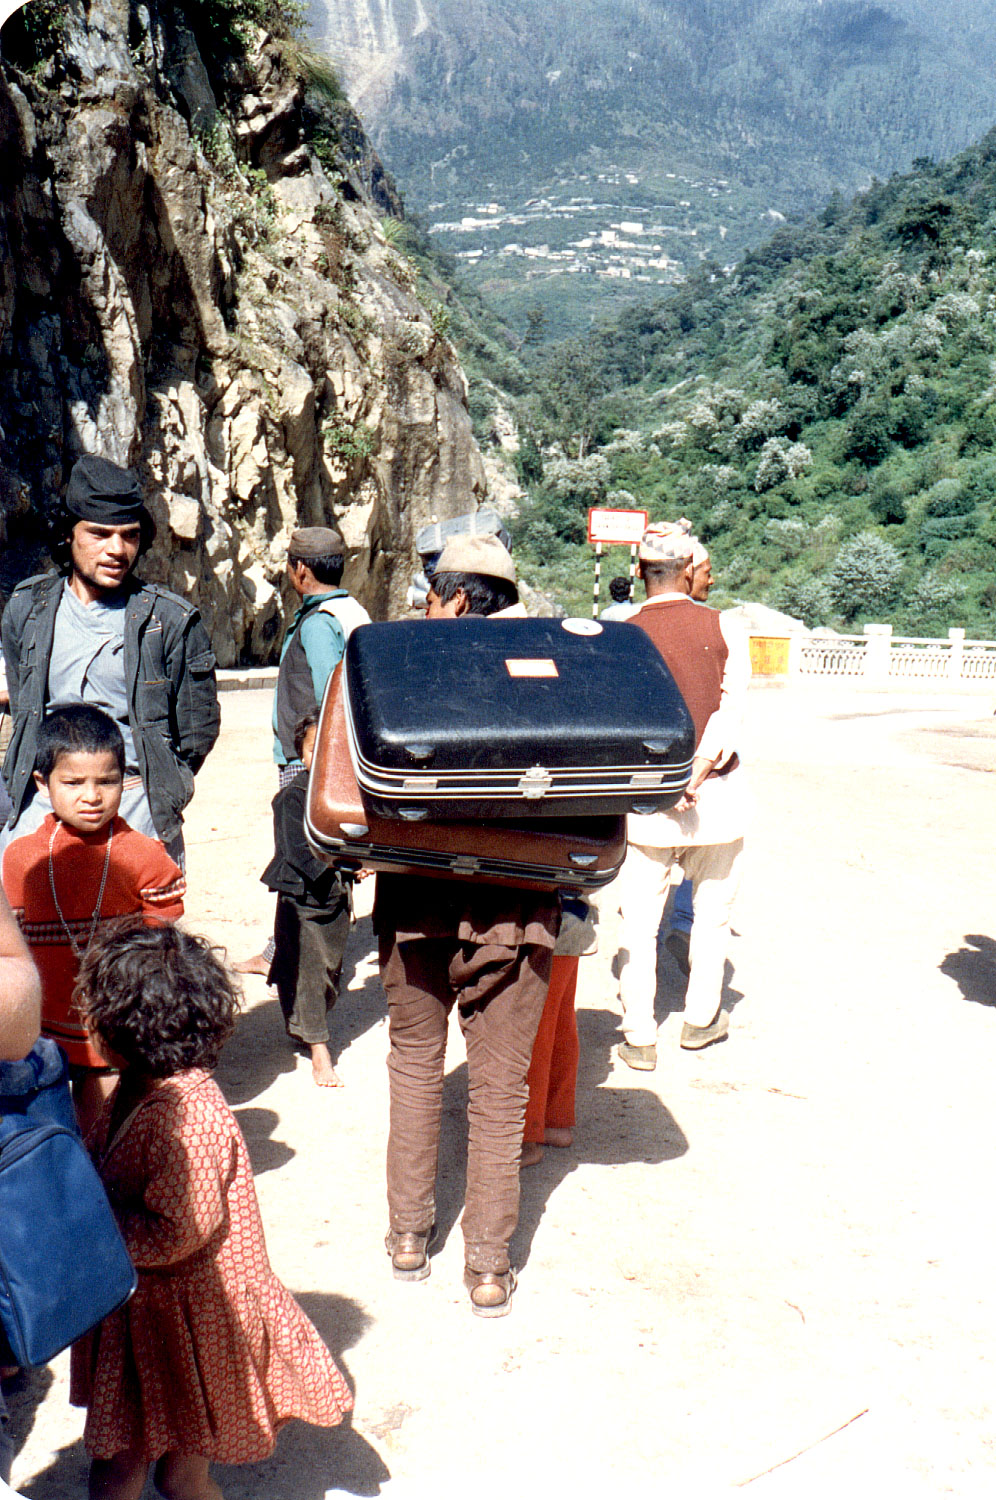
(158, 997)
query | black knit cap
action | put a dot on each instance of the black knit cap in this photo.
(103, 492)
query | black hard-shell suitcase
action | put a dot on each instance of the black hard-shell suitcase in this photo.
(579, 854)
(496, 718)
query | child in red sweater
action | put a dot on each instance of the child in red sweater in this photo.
(81, 869)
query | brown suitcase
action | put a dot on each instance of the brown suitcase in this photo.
(578, 854)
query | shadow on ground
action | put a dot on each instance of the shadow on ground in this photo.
(973, 968)
(307, 1461)
(615, 1126)
(260, 1050)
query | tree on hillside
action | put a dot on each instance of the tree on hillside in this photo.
(572, 389)
(865, 576)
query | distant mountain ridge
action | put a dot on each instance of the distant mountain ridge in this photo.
(781, 101)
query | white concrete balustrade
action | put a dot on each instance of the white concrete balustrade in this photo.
(878, 657)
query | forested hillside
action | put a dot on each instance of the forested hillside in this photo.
(825, 415)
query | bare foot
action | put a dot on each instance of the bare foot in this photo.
(255, 965)
(532, 1154)
(321, 1067)
(557, 1135)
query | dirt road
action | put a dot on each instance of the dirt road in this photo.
(781, 1246)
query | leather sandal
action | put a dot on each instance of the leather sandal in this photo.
(409, 1252)
(483, 1287)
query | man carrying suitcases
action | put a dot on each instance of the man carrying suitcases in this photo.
(703, 833)
(488, 950)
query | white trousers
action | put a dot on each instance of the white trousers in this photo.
(714, 870)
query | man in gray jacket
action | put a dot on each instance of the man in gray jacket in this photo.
(90, 632)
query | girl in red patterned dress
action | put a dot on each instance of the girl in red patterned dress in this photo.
(212, 1355)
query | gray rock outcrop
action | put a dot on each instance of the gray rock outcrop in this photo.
(194, 280)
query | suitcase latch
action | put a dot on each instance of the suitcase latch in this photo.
(536, 782)
(646, 780)
(465, 864)
(420, 784)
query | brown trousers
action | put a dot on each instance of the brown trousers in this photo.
(499, 993)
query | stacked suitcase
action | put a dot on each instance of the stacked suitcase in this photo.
(505, 749)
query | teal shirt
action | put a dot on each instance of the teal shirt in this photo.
(324, 642)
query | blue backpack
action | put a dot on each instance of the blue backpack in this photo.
(63, 1263)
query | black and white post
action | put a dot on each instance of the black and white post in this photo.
(598, 580)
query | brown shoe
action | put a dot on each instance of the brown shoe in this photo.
(409, 1252)
(693, 1037)
(490, 1292)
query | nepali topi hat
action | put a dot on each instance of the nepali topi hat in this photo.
(668, 542)
(310, 542)
(483, 555)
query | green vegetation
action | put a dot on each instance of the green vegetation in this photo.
(224, 29)
(347, 440)
(31, 35)
(697, 119)
(825, 415)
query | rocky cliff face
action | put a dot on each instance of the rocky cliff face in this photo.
(207, 293)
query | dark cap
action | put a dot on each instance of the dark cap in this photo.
(103, 492)
(315, 541)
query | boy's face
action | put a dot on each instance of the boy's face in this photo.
(84, 788)
(308, 746)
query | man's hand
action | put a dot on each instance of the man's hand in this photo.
(701, 766)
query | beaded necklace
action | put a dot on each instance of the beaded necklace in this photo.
(77, 950)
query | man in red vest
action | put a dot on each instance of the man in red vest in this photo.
(703, 834)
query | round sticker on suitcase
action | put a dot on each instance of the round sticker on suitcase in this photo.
(582, 627)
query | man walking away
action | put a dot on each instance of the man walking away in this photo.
(487, 950)
(622, 606)
(682, 911)
(703, 833)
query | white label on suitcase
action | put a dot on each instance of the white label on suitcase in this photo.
(537, 666)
